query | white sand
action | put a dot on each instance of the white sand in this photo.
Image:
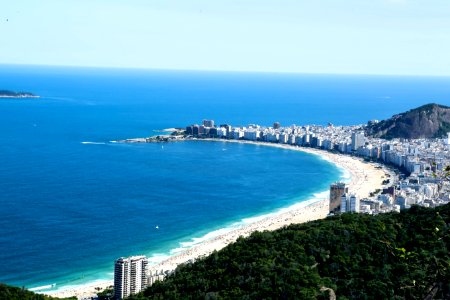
(363, 179)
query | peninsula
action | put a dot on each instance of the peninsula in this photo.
(19, 95)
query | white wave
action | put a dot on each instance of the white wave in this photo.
(346, 175)
(156, 258)
(183, 246)
(256, 219)
(93, 143)
(177, 250)
(41, 288)
(321, 195)
(301, 204)
(74, 287)
(210, 235)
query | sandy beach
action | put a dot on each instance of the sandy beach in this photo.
(364, 178)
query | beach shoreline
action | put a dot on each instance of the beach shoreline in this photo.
(363, 178)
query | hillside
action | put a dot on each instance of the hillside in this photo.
(354, 256)
(15, 293)
(427, 121)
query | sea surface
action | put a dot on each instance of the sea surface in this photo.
(71, 202)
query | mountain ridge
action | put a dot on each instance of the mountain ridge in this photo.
(427, 121)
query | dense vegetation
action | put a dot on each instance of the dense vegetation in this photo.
(15, 293)
(427, 121)
(354, 256)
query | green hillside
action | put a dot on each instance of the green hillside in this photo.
(15, 293)
(354, 256)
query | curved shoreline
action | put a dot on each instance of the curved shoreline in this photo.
(364, 178)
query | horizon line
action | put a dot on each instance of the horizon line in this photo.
(220, 71)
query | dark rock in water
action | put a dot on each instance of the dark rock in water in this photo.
(11, 94)
(427, 121)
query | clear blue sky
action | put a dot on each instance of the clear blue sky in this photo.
(307, 36)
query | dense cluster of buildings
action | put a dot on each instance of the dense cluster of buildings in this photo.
(422, 162)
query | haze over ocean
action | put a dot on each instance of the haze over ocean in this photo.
(68, 209)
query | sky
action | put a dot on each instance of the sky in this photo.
(408, 37)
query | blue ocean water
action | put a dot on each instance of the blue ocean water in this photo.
(69, 208)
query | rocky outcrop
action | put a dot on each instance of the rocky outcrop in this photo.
(427, 121)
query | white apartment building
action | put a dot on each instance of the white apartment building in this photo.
(284, 137)
(357, 140)
(354, 203)
(130, 276)
(252, 135)
(349, 203)
(344, 203)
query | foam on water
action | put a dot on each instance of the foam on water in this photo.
(93, 143)
(55, 289)
(156, 258)
(42, 288)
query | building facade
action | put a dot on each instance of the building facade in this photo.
(337, 189)
(349, 203)
(130, 276)
(358, 140)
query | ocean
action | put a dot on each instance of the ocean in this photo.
(71, 202)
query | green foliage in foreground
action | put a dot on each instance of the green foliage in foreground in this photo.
(390, 256)
(15, 293)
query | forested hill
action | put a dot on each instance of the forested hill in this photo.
(15, 293)
(427, 121)
(354, 256)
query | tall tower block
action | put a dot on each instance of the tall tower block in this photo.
(337, 189)
(129, 276)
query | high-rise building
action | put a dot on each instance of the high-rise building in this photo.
(190, 129)
(208, 123)
(130, 276)
(358, 140)
(276, 125)
(337, 189)
(227, 127)
(344, 203)
(354, 203)
(195, 130)
(306, 139)
(349, 203)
